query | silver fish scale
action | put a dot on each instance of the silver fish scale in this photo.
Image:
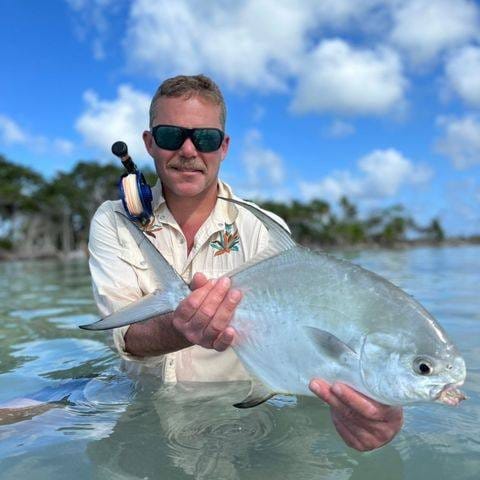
(307, 314)
(302, 288)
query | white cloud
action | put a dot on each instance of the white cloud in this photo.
(339, 78)
(463, 74)
(347, 13)
(10, 132)
(263, 166)
(62, 146)
(13, 134)
(461, 140)
(382, 173)
(387, 170)
(339, 129)
(257, 44)
(281, 45)
(92, 17)
(123, 118)
(229, 40)
(426, 28)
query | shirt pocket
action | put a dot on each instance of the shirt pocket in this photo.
(216, 266)
(143, 272)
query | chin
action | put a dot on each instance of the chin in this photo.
(189, 190)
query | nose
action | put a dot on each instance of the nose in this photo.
(188, 150)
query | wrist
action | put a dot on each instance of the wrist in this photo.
(154, 337)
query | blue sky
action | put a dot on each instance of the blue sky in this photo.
(378, 100)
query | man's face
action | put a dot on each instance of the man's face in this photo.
(186, 172)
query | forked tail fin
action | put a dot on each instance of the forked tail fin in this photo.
(171, 287)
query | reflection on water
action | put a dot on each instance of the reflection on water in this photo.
(83, 418)
(194, 432)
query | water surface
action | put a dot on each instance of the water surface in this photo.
(89, 420)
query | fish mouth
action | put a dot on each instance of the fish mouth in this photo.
(450, 394)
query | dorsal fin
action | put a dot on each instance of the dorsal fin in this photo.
(280, 239)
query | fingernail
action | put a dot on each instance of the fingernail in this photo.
(337, 388)
(235, 295)
(225, 282)
(314, 386)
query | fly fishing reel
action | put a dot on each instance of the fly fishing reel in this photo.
(135, 193)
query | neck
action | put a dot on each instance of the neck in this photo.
(191, 212)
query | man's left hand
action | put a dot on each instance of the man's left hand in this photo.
(363, 423)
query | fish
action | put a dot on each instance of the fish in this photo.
(307, 314)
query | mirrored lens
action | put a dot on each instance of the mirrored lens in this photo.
(168, 138)
(207, 139)
(171, 137)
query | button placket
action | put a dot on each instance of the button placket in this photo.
(199, 241)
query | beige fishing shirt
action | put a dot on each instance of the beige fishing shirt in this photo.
(229, 237)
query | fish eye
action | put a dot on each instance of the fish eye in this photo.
(423, 366)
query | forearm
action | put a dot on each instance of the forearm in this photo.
(156, 336)
(202, 318)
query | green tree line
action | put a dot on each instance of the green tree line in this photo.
(40, 217)
(319, 223)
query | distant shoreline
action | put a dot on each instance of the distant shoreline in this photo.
(400, 245)
(81, 254)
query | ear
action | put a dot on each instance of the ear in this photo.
(149, 142)
(224, 146)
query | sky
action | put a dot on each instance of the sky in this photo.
(378, 100)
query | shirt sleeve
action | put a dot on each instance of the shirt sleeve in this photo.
(114, 281)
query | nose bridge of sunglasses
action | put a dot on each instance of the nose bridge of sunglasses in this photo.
(187, 134)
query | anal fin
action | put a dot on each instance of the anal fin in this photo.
(258, 394)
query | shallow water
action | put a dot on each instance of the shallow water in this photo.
(98, 423)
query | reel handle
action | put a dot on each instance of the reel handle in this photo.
(120, 150)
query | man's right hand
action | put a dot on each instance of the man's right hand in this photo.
(203, 318)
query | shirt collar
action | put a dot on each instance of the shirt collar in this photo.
(223, 212)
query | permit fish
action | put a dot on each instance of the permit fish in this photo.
(307, 314)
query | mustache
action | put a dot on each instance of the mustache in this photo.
(187, 165)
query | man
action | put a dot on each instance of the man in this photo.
(198, 234)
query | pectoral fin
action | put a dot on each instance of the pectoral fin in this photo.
(330, 345)
(258, 394)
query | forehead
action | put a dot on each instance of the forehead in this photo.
(187, 112)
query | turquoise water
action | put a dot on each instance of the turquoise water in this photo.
(91, 421)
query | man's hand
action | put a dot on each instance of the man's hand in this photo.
(203, 317)
(363, 423)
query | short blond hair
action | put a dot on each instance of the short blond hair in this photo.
(188, 86)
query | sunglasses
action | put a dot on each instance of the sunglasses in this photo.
(171, 137)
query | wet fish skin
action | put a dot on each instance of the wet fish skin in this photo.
(378, 331)
(307, 314)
